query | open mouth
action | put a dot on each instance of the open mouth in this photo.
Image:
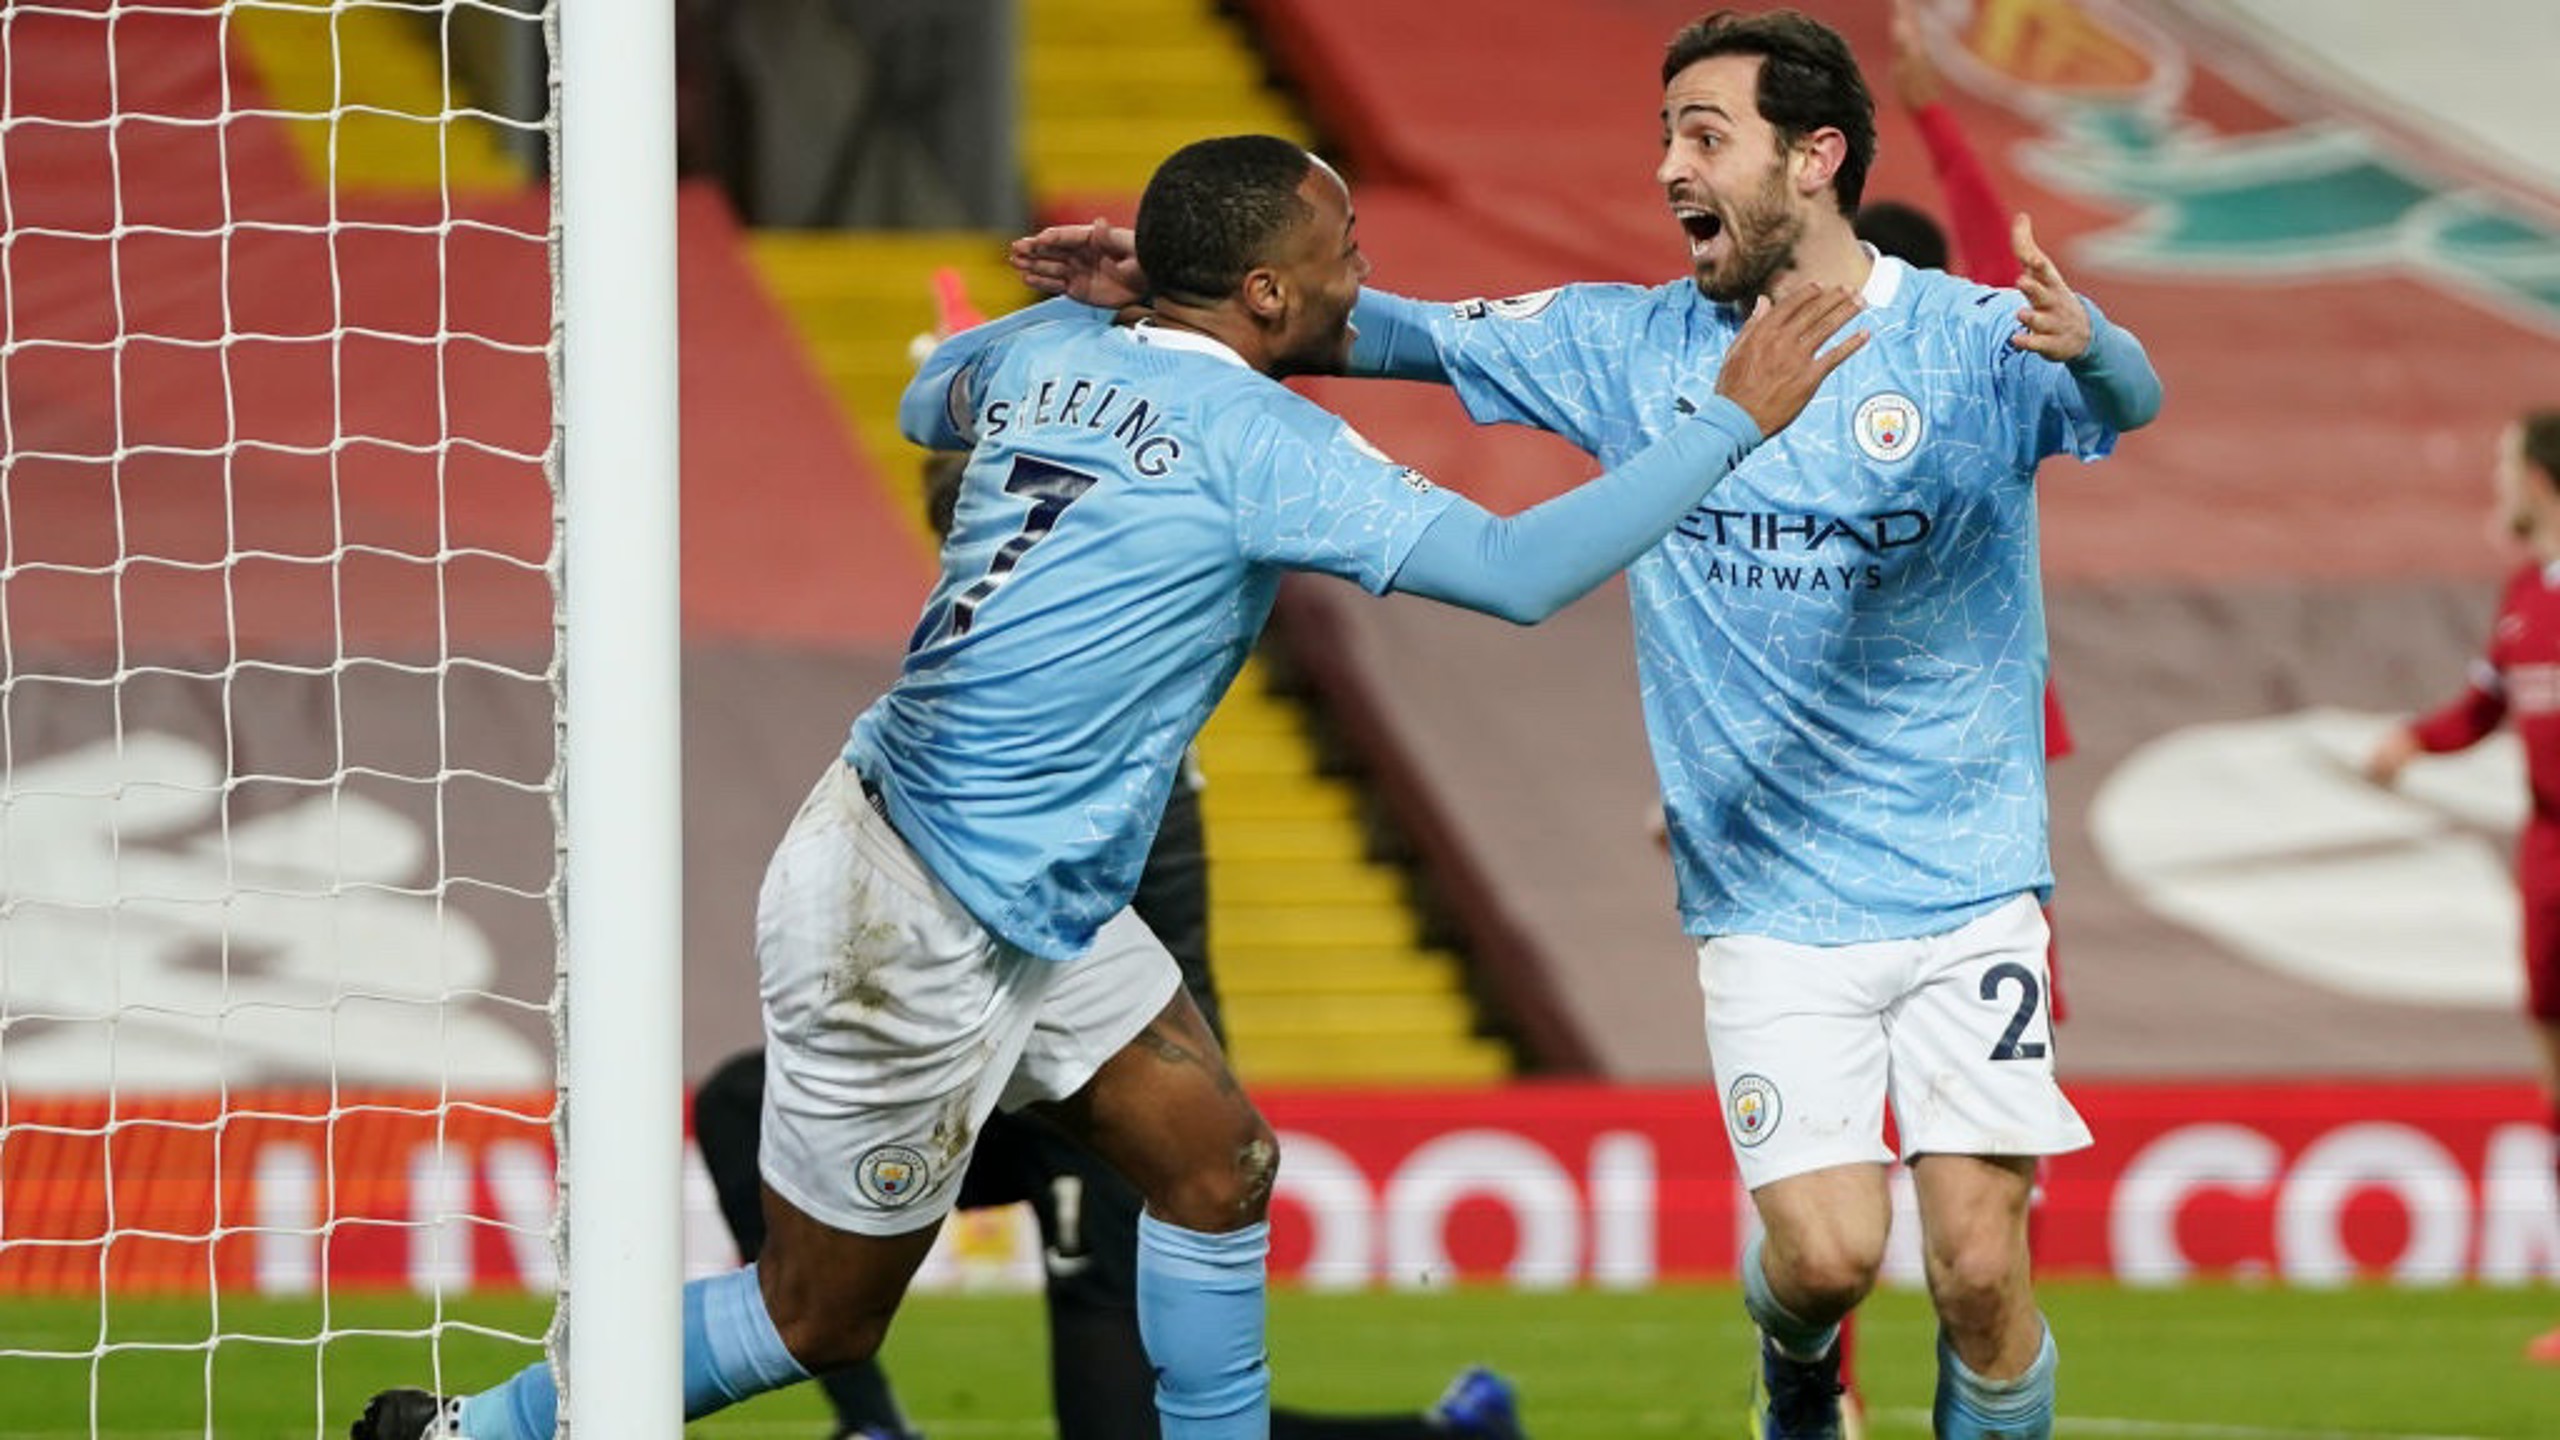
(1702, 226)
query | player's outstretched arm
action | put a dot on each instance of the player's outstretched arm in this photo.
(1528, 566)
(1096, 263)
(2109, 364)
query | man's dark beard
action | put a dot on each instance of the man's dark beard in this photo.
(1325, 359)
(1764, 242)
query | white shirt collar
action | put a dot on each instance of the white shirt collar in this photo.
(1147, 332)
(1884, 278)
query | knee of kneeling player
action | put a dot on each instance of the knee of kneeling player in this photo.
(1228, 1191)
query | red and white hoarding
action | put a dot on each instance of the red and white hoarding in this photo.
(1527, 1185)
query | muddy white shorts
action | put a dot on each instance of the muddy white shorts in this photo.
(1810, 1040)
(895, 1023)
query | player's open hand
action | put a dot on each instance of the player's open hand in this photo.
(1096, 263)
(2055, 324)
(1777, 362)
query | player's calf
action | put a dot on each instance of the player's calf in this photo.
(1971, 1406)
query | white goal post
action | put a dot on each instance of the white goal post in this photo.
(621, 749)
(340, 866)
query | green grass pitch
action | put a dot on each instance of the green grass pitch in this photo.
(2209, 1363)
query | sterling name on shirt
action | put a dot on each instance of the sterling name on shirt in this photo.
(1131, 420)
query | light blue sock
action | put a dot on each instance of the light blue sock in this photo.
(1972, 1408)
(1200, 1312)
(1796, 1338)
(731, 1352)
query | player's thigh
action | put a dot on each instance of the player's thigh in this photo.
(892, 1020)
(1973, 1044)
(1160, 1104)
(1797, 1037)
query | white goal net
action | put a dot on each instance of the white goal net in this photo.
(280, 859)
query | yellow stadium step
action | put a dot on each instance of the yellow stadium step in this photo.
(1370, 1014)
(1365, 927)
(1244, 840)
(1276, 752)
(1252, 718)
(1322, 1060)
(1260, 797)
(1333, 882)
(1251, 970)
(368, 87)
(1191, 83)
(1110, 87)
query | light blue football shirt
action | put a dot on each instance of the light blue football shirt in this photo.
(1842, 652)
(1132, 497)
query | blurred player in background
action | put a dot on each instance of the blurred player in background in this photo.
(944, 930)
(1842, 664)
(2518, 679)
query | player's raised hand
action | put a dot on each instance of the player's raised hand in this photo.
(1915, 75)
(1777, 362)
(2055, 324)
(1096, 263)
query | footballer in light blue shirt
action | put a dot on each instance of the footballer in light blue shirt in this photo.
(1842, 658)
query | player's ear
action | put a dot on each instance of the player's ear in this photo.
(1817, 159)
(1265, 293)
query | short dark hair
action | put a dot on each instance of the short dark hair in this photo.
(1808, 80)
(1213, 210)
(1904, 232)
(2539, 438)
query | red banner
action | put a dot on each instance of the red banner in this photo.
(1531, 1185)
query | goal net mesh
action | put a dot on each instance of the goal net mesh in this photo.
(279, 705)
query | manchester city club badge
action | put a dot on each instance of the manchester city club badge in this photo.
(1887, 426)
(1751, 1109)
(891, 1175)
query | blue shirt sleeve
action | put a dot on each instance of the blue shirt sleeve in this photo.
(939, 409)
(1553, 359)
(1313, 494)
(2115, 374)
(1528, 566)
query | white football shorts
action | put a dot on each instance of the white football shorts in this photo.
(895, 1023)
(1810, 1040)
